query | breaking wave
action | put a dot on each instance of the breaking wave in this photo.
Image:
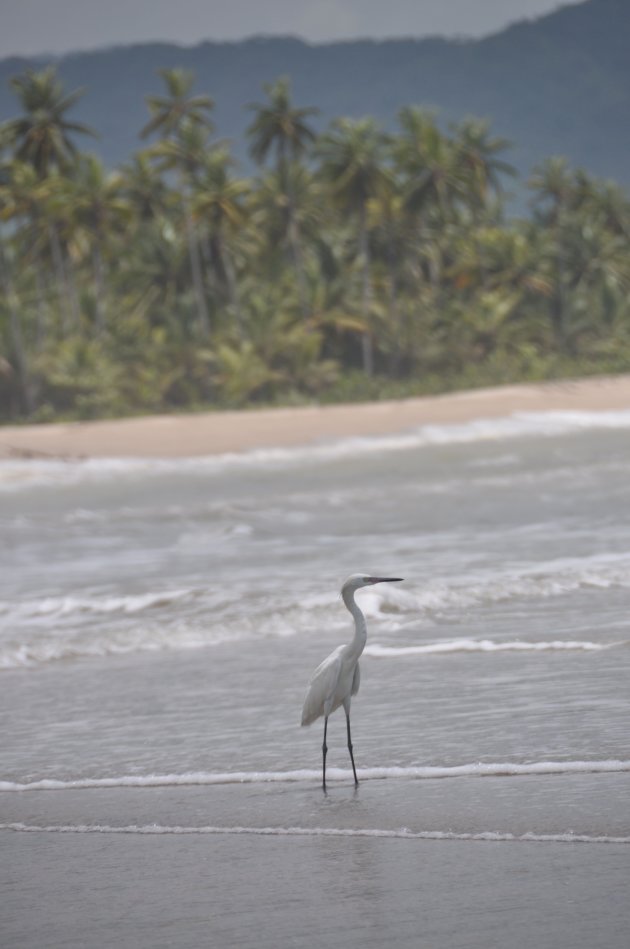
(378, 651)
(98, 625)
(121, 643)
(107, 603)
(538, 580)
(17, 474)
(402, 833)
(478, 770)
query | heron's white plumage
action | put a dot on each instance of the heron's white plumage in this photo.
(334, 680)
(337, 678)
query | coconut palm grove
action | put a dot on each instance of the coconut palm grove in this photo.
(348, 263)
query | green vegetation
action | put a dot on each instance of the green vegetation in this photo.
(558, 85)
(354, 264)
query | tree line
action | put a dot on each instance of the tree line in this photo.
(353, 263)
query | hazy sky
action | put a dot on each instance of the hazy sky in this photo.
(36, 26)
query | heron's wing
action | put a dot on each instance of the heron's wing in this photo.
(356, 679)
(322, 687)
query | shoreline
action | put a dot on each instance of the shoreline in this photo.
(122, 868)
(221, 432)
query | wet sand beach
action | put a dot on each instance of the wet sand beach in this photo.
(407, 863)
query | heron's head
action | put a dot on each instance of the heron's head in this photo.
(358, 580)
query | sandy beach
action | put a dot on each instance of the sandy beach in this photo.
(173, 436)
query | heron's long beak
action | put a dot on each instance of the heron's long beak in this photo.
(386, 579)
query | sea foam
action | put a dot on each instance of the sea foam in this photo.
(105, 603)
(18, 474)
(479, 770)
(378, 651)
(54, 627)
(403, 833)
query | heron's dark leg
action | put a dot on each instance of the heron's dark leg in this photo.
(324, 750)
(354, 770)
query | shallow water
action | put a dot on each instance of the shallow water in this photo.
(160, 621)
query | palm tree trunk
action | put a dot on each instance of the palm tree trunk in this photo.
(558, 304)
(196, 270)
(99, 288)
(296, 253)
(42, 308)
(393, 314)
(284, 176)
(364, 253)
(66, 289)
(25, 390)
(296, 248)
(230, 280)
(483, 280)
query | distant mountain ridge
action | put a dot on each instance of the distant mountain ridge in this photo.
(556, 85)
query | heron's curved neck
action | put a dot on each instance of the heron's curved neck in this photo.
(360, 629)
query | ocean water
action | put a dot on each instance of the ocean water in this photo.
(159, 622)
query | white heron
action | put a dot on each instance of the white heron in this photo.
(336, 680)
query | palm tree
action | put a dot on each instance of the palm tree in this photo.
(477, 154)
(100, 211)
(269, 221)
(217, 201)
(185, 151)
(42, 210)
(185, 124)
(556, 190)
(58, 197)
(170, 111)
(428, 161)
(610, 203)
(43, 138)
(582, 230)
(43, 135)
(393, 240)
(10, 302)
(279, 126)
(144, 188)
(481, 170)
(556, 196)
(22, 205)
(352, 155)
(155, 277)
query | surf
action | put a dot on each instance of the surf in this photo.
(420, 772)
(402, 833)
(17, 475)
(378, 651)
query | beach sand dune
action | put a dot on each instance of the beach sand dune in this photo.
(173, 436)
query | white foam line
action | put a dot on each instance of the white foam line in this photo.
(154, 640)
(32, 473)
(378, 651)
(401, 834)
(481, 769)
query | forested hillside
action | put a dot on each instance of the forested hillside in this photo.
(559, 85)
